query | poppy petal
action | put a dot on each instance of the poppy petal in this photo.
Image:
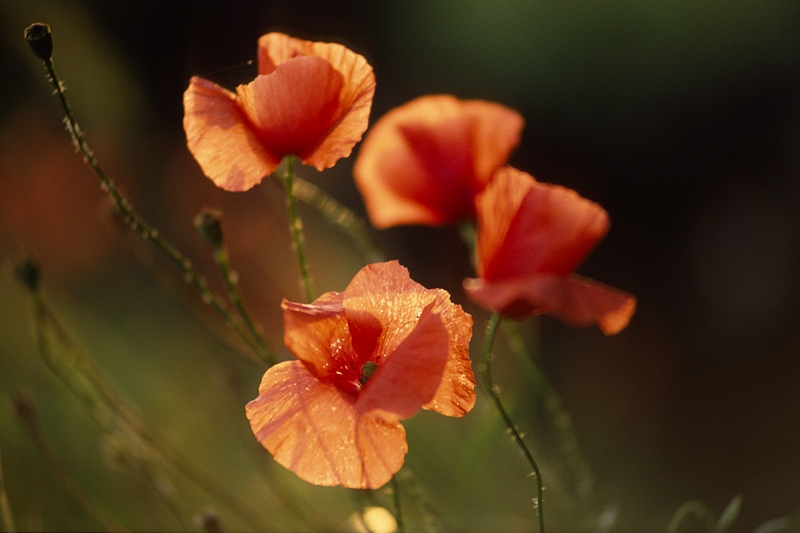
(424, 162)
(409, 377)
(456, 393)
(576, 300)
(309, 329)
(387, 291)
(526, 226)
(351, 117)
(314, 430)
(221, 140)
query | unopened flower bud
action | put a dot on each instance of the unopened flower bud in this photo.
(209, 224)
(40, 40)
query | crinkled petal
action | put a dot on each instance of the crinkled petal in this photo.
(527, 227)
(386, 291)
(314, 430)
(424, 162)
(455, 395)
(576, 300)
(351, 117)
(294, 107)
(409, 377)
(311, 329)
(221, 139)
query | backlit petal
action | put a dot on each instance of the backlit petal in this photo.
(573, 299)
(221, 139)
(527, 227)
(409, 377)
(424, 162)
(351, 118)
(293, 108)
(314, 430)
(311, 329)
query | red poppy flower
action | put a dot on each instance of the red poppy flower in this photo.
(424, 162)
(531, 236)
(311, 100)
(368, 357)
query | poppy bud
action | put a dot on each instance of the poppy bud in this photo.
(40, 40)
(209, 225)
(27, 272)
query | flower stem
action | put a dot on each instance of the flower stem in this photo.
(27, 417)
(261, 348)
(486, 374)
(79, 372)
(558, 415)
(296, 229)
(136, 222)
(339, 216)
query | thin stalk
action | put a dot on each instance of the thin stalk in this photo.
(27, 417)
(296, 229)
(136, 222)
(235, 297)
(398, 511)
(82, 377)
(557, 413)
(486, 374)
(338, 215)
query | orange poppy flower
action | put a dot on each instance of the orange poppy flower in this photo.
(424, 162)
(311, 100)
(368, 357)
(531, 236)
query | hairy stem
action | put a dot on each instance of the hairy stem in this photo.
(486, 374)
(296, 229)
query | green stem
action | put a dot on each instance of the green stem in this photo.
(398, 511)
(87, 382)
(261, 348)
(558, 415)
(136, 222)
(296, 229)
(339, 216)
(486, 374)
(27, 417)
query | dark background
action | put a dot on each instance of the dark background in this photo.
(681, 118)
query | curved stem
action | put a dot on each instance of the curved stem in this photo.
(339, 216)
(136, 222)
(261, 348)
(486, 374)
(296, 229)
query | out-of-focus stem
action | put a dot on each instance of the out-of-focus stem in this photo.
(491, 388)
(136, 222)
(339, 216)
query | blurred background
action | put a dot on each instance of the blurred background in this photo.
(681, 118)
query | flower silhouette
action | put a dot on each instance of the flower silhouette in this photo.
(311, 100)
(531, 236)
(368, 357)
(424, 162)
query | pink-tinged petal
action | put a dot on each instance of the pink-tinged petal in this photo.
(311, 332)
(424, 162)
(455, 395)
(314, 430)
(221, 139)
(293, 108)
(387, 292)
(576, 300)
(351, 118)
(409, 377)
(528, 227)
